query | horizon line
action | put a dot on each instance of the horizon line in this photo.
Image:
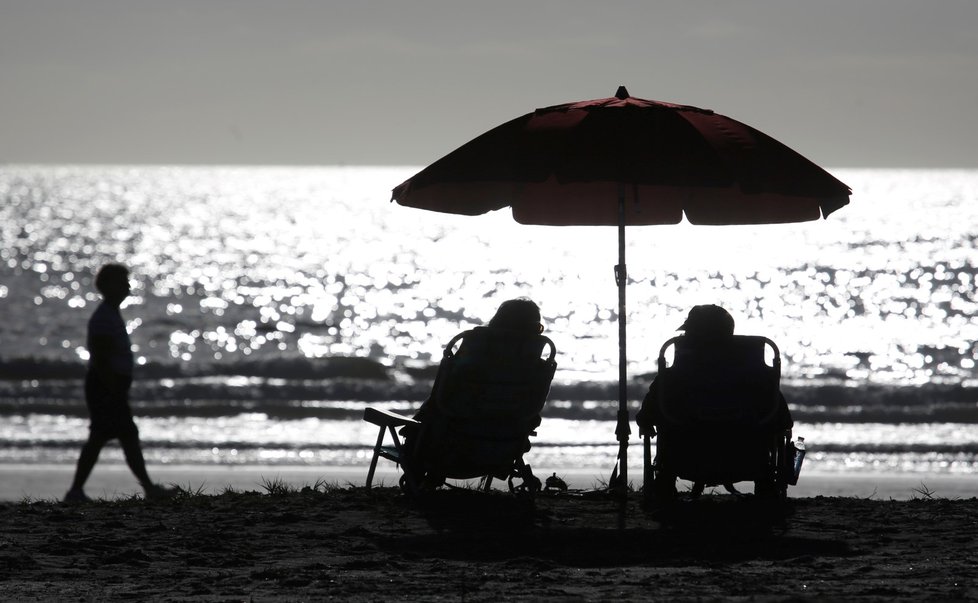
(101, 164)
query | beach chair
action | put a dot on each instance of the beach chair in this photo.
(719, 420)
(486, 401)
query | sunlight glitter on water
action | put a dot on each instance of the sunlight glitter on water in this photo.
(239, 262)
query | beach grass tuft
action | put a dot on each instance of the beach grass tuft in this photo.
(321, 485)
(276, 486)
(922, 492)
(191, 491)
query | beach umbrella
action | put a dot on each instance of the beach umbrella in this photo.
(623, 161)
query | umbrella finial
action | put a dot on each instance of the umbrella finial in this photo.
(622, 93)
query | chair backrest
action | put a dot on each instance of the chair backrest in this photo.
(486, 401)
(728, 383)
(494, 374)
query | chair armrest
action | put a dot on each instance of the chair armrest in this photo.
(386, 418)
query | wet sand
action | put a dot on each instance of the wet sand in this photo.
(354, 544)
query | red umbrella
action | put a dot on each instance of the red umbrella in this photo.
(626, 161)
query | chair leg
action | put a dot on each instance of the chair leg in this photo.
(648, 476)
(647, 461)
(373, 461)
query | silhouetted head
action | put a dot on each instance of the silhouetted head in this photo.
(518, 315)
(708, 323)
(112, 281)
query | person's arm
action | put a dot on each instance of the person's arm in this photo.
(647, 415)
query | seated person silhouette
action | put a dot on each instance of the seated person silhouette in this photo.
(707, 328)
(519, 315)
(484, 404)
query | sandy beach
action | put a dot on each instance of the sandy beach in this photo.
(113, 481)
(355, 544)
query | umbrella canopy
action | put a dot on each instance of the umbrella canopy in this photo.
(563, 165)
(626, 161)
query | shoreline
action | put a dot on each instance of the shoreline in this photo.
(113, 481)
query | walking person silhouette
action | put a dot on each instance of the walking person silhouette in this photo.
(107, 383)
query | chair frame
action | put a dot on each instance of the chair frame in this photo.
(389, 422)
(779, 447)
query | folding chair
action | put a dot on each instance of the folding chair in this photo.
(485, 404)
(720, 419)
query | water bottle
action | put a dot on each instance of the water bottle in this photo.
(799, 458)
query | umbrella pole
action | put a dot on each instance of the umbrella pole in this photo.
(619, 478)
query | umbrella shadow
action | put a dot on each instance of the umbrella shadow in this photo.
(593, 533)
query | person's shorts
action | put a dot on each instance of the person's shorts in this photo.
(109, 412)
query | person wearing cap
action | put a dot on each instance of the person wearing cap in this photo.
(705, 326)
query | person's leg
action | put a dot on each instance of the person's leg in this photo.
(133, 451)
(93, 445)
(86, 462)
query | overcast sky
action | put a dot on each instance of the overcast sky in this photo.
(848, 83)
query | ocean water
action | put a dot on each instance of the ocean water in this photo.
(271, 305)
